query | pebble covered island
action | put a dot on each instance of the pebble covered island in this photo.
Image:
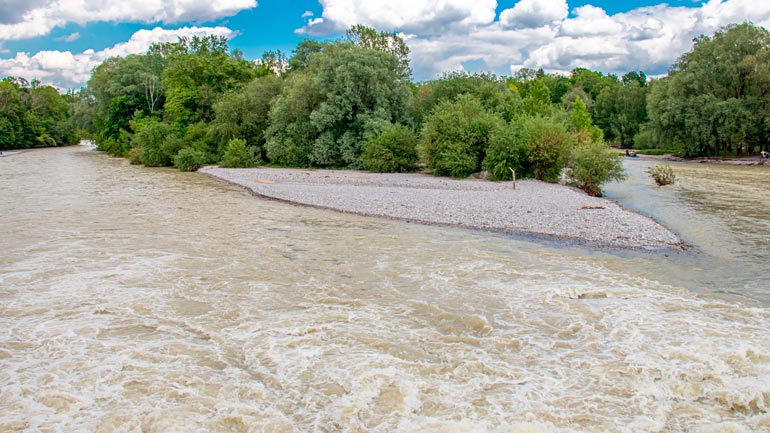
(534, 207)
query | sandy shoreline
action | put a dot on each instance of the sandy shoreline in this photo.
(535, 207)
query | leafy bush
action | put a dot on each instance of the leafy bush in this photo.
(190, 159)
(135, 156)
(548, 147)
(507, 150)
(595, 164)
(455, 136)
(662, 174)
(455, 159)
(150, 137)
(238, 155)
(394, 149)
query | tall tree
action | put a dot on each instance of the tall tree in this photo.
(198, 73)
(716, 98)
(387, 42)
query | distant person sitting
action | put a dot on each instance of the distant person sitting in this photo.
(765, 154)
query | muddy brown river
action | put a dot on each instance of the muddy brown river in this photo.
(148, 300)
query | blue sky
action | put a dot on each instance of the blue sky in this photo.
(42, 39)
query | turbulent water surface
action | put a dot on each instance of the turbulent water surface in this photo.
(148, 300)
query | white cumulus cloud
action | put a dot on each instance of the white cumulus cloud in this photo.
(67, 70)
(444, 35)
(411, 16)
(534, 13)
(39, 17)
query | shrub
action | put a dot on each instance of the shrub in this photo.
(455, 159)
(150, 137)
(507, 150)
(662, 174)
(548, 146)
(394, 149)
(190, 159)
(238, 155)
(135, 156)
(595, 164)
(455, 136)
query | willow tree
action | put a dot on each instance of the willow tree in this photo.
(334, 96)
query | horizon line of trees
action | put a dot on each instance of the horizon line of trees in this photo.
(352, 103)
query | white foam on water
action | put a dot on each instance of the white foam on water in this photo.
(274, 324)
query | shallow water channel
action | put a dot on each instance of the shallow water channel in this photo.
(148, 300)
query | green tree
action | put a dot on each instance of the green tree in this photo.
(507, 151)
(715, 99)
(290, 134)
(489, 89)
(361, 85)
(198, 72)
(33, 115)
(387, 42)
(548, 145)
(455, 137)
(621, 110)
(581, 120)
(538, 101)
(243, 113)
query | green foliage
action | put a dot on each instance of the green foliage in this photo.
(290, 134)
(573, 94)
(304, 52)
(507, 150)
(658, 151)
(32, 115)
(151, 138)
(243, 113)
(238, 155)
(489, 89)
(190, 159)
(538, 101)
(548, 146)
(592, 82)
(120, 87)
(662, 174)
(360, 85)
(534, 146)
(393, 149)
(455, 136)
(595, 164)
(714, 101)
(199, 70)
(387, 42)
(621, 109)
(581, 120)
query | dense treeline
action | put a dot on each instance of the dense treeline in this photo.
(351, 103)
(715, 101)
(32, 115)
(345, 103)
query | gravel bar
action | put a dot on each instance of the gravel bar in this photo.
(534, 207)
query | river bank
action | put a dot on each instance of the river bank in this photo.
(534, 207)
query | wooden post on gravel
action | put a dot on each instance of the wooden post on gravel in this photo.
(513, 172)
